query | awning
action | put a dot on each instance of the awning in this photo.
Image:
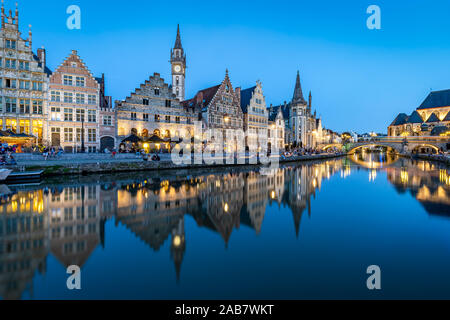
(133, 139)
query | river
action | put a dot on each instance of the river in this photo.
(303, 231)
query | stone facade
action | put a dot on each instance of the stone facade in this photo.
(154, 110)
(256, 117)
(220, 108)
(276, 129)
(74, 107)
(23, 81)
(431, 118)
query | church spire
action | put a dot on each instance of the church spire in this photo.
(298, 93)
(178, 40)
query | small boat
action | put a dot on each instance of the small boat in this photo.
(4, 173)
(25, 176)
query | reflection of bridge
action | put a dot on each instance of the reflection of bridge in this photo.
(399, 144)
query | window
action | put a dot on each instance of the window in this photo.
(74, 65)
(80, 98)
(157, 118)
(92, 135)
(10, 44)
(177, 119)
(24, 106)
(68, 114)
(168, 119)
(68, 81)
(145, 102)
(37, 86)
(10, 83)
(55, 96)
(146, 117)
(156, 91)
(92, 116)
(56, 114)
(37, 106)
(1, 110)
(133, 116)
(68, 134)
(80, 82)
(92, 99)
(24, 65)
(78, 135)
(178, 81)
(80, 115)
(10, 64)
(24, 85)
(11, 105)
(168, 103)
(68, 97)
(107, 120)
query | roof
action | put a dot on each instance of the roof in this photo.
(415, 118)
(447, 117)
(273, 112)
(400, 119)
(246, 96)
(438, 130)
(436, 99)
(178, 40)
(298, 93)
(208, 94)
(433, 118)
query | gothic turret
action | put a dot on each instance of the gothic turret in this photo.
(298, 93)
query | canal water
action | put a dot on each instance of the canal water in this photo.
(306, 230)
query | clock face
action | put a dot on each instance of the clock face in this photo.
(177, 68)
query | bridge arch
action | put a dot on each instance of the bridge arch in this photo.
(424, 145)
(357, 146)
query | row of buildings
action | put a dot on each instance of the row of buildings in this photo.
(68, 107)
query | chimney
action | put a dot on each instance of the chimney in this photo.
(42, 55)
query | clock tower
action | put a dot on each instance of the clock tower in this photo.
(178, 63)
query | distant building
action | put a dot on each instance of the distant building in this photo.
(431, 118)
(276, 129)
(75, 106)
(253, 105)
(302, 127)
(23, 82)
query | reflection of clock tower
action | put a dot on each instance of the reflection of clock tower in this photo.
(178, 62)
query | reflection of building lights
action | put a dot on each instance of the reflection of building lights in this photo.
(225, 207)
(176, 241)
(273, 195)
(314, 183)
(372, 175)
(404, 176)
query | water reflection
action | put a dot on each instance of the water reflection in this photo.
(67, 218)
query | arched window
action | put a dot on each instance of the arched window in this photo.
(167, 135)
(157, 133)
(178, 81)
(145, 133)
(134, 131)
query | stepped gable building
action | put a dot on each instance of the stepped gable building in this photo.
(253, 105)
(153, 110)
(23, 83)
(431, 118)
(178, 63)
(220, 107)
(77, 108)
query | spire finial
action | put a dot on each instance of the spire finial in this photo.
(298, 93)
(178, 40)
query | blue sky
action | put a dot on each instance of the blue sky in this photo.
(360, 78)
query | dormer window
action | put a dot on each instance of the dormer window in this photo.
(74, 65)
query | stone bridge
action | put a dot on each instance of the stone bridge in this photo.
(399, 144)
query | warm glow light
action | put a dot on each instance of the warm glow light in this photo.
(225, 207)
(177, 241)
(273, 195)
